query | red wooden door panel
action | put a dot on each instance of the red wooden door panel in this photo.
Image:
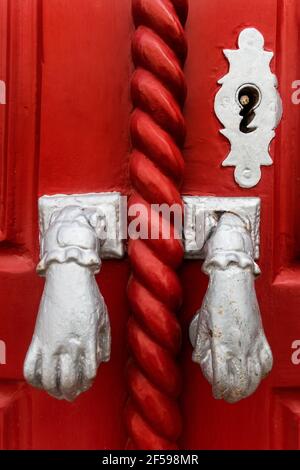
(67, 69)
(65, 129)
(270, 418)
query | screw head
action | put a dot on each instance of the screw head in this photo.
(244, 100)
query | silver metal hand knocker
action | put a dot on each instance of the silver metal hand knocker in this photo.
(72, 333)
(227, 333)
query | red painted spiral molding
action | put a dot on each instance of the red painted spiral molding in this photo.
(158, 92)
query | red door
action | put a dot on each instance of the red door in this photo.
(67, 67)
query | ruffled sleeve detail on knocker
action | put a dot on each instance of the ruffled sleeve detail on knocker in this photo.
(70, 237)
(83, 257)
(223, 259)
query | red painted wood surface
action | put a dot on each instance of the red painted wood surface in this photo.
(65, 128)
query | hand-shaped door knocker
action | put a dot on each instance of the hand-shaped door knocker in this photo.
(227, 333)
(72, 333)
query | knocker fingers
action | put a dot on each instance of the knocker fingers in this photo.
(68, 376)
(33, 365)
(50, 379)
(221, 382)
(231, 379)
(265, 356)
(237, 376)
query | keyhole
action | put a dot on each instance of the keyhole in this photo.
(249, 99)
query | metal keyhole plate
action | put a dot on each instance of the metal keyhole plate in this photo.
(249, 107)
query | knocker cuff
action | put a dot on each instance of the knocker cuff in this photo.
(223, 259)
(81, 256)
(70, 237)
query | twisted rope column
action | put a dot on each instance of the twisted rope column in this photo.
(156, 168)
